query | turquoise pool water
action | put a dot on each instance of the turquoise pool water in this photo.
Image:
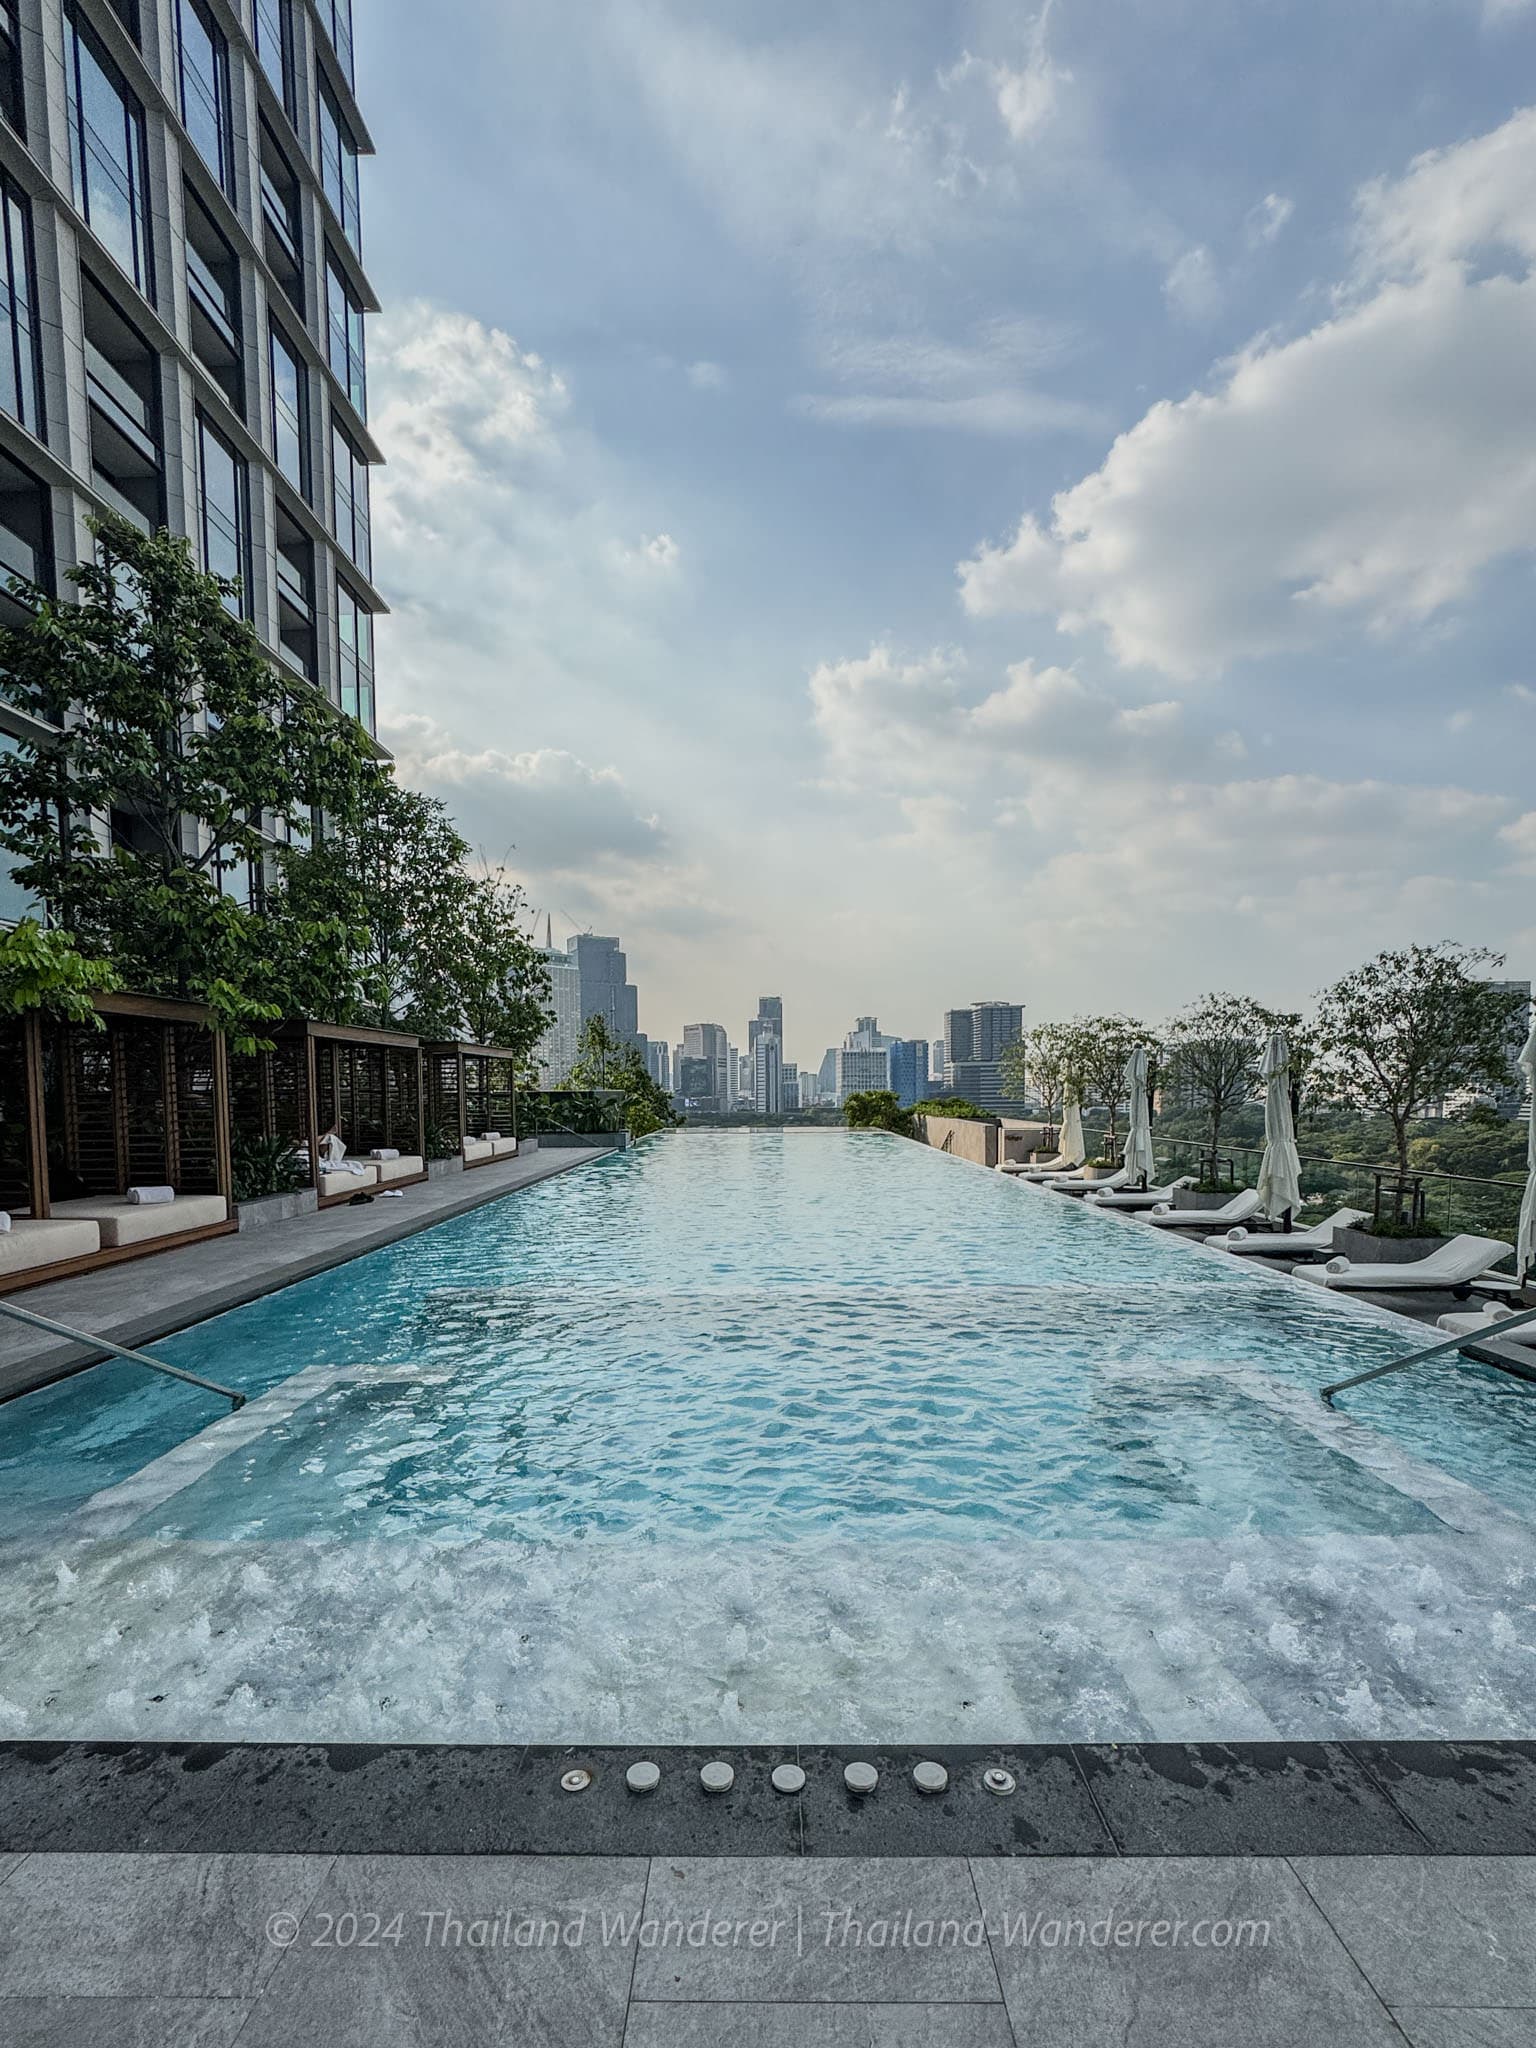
(730, 1336)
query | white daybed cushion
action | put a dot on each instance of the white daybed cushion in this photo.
(344, 1183)
(504, 1148)
(404, 1168)
(476, 1149)
(45, 1240)
(124, 1222)
(1456, 1264)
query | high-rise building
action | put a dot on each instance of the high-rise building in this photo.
(606, 990)
(708, 1042)
(697, 1081)
(770, 1017)
(866, 1036)
(826, 1076)
(658, 1063)
(981, 1031)
(859, 1068)
(790, 1079)
(768, 1075)
(185, 304)
(909, 1070)
(555, 1054)
(936, 1058)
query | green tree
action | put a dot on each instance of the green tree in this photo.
(502, 978)
(137, 822)
(1096, 1051)
(605, 1061)
(1412, 1027)
(44, 970)
(1040, 1065)
(877, 1109)
(1213, 1052)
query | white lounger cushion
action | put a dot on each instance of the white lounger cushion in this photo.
(1318, 1237)
(1144, 1198)
(1060, 1164)
(476, 1149)
(1456, 1264)
(123, 1222)
(505, 1148)
(45, 1240)
(1485, 1323)
(348, 1183)
(1238, 1210)
(1074, 1184)
(406, 1167)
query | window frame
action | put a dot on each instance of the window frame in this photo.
(25, 336)
(286, 83)
(363, 670)
(352, 371)
(81, 37)
(206, 431)
(357, 527)
(338, 154)
(223, 98)
(13, 98)
(335, 17)
(278, 340)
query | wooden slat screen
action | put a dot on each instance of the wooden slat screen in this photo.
(194, 1129)
(15, 1167)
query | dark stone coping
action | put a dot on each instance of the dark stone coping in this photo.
(1085, 1799)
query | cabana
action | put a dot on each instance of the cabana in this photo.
(114, 1141)
(362, 1082)
(472, 1095)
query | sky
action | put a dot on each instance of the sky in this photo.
(899, 505)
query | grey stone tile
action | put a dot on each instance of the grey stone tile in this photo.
(1197, 1987)
(112, 1795)
(162, 1926)
(1429, 2026)
(122, 2022)
(1432, 1930)
(1465, 1798)
(818, 2026)
(7, 1865)
(426, 1949)
(769, 1929)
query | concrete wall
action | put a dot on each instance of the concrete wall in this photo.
(962, 1137)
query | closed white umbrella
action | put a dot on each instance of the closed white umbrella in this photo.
(1139, 1161)
(1525, 1236)
(1280, 1172)
(1072, 1149)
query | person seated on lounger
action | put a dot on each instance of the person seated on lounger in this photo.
(333, 1153)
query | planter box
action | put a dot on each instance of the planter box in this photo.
(261, 1210)
(1193, 1198)
(439, 1169)
(1362, 1249)
(552, 1141)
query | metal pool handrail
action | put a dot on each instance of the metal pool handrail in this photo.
(27, 1315)
(1527, 1315)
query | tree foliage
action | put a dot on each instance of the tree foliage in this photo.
(1213, 1052)
(1412, 1027)
(606, 1061)
(1096, 1050)
(1041, 1065)
(877, 1109)
(45, 970)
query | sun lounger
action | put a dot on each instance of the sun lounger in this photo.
(1455, 1266)
(1289, 1244)
(1136, 1198)
(409, 1166)
(1074, 1184)
(122, 1222)
(338, 1180)
(505, 1148)
(1485, 1323)
(1060, 1164)
(34, 1241)
(478, 1150)
(1242, 1205)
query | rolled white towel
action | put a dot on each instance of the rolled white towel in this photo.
(1337, 1266)
(384, 1152)
(144, 1198)
(489, 1137)
(5, 1221)
(1162, 1209)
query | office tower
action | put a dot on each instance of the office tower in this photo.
(770, 1017)
(658, 1064)
(959, 1035)
(790, 1080)
(556, 1051)
(909, 1070)
(186, 301)
(981, 1031)
(826, 1076)
(768, 1076)
(708, 1042)
(936, 1058)
(606, 990)
(859, 1068)
(697, 1080)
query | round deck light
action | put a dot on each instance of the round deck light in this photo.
(861, 1778)
(643, 1777)
(575, 1781)
(788, 1778)
(930, 1777)
(717, 1777)
(999, 1781)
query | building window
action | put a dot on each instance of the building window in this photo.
(213, 294)
(15, 902)
(205, 89)
(122, 384)
(282, 230)
(224, 490)
(127, 12)
(290, 409)
(295, 594)
(107, 155)
(21, 367)
(336, 19)
(12, 101)
(349, 499)
(274, 46)
(338, 166)
(25, 549)
(344, 323)
(354, 654)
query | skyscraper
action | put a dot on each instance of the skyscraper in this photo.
(556, 1051)
(658, 1063)
(859, 1068)
(186, 304)
(770, 1017)
(909, 1070)
(975, 1039)
(606, 990)
(768, 1075)
(708, 1042)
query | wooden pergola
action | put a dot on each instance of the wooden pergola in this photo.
(87, 1113)
(366, 1082)
(470, 1089)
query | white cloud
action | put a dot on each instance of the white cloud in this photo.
(660, 551)
(1192, 288)
(1267, 221)
(980, 384)
(706, 376)
(1520, 836)
(1522, 693)
(1496, 12)
(1361, 476)
(1027, 94)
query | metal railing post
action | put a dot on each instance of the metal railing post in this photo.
(1378, 1372)
(37, 1322)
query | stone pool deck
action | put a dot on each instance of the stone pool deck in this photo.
(142, 1299)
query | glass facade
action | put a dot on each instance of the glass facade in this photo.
(21, 368)
(336, 20)
(338, 166)
(354, 654)
(224, 491)
(290, 409)
(349, 500)
(274, 46)
(205, 88)
(344, 325)
(12, 101)
(107, 153)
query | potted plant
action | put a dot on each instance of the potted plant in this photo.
(269, 1180)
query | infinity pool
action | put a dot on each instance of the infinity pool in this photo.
(785, 1434)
